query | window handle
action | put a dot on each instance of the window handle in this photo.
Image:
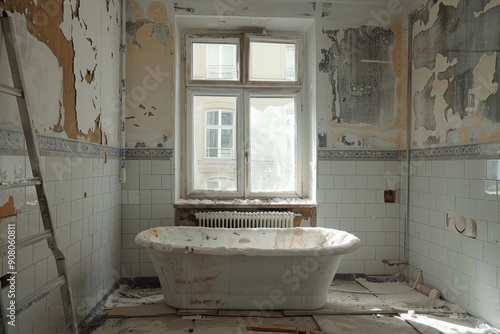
(246, 156)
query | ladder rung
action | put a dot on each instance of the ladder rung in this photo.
(19, 183)
(39, 294)
(29, 240)
(11, 90)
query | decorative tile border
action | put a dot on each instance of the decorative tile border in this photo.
(459, 151)
(149, 153)
(360, 154)
(14, 140)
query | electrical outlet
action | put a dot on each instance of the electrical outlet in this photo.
(461, 224)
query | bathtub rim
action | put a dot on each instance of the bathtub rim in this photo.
(349, 244)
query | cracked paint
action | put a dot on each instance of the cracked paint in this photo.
(457, 55)
(62, 34)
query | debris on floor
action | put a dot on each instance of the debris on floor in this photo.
(353, 306)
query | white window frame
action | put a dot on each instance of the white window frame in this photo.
(242, 89)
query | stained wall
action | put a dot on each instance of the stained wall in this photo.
(455, 73)
(70, 51)
(455, 108)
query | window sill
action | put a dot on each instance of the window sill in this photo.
(305, 209)
(237, 202)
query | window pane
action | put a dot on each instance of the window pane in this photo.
(272, 144)
(213, 118)
(272, 62)
(211, 61)
(214, 142)
(227, 118)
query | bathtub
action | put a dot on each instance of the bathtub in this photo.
(249, 268)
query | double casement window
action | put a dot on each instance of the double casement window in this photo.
(243, 120)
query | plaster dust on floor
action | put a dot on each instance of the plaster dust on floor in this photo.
(353, 306)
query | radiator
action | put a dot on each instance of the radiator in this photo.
(233, 219)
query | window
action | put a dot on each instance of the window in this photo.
(242, 118)
(219, 129)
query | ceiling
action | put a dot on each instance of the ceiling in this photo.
(341, 14)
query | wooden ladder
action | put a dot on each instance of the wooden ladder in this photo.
(11, 311)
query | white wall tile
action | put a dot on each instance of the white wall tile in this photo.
(458, 187)
(132, 167)
(454, 168)
(161, 197)
(370, 167)
(487, 210)
(437, 168)
(63, 214)
(324, 181)
(438, 185)
(348, 196)
(326, 210)
(485, 293)
(132, 182)
(351, 210)
(333, 196)
(465, 206)
(493, 233)
(475, 169)
(487, 273)
(145, 167)
(491, 252)
(62, 191)
(339, 181)
(483, 189)
(453, 241)
(369, 225)
(143, 196)
(344, 167)
(375, 210)
(161, 167)
(366, 196)
(380, 182)
(324, 167)
(365, 253)
(356, 182)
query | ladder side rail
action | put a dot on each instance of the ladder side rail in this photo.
(33, 152)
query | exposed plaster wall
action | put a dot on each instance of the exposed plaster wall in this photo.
(366, 78)
(456, 99)
(70, 53)
(150, 87)
(374, 118)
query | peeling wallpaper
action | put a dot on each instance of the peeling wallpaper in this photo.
(372, 116)
(72, 67)
(455, 75)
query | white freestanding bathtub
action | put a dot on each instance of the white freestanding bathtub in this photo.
(248, 268)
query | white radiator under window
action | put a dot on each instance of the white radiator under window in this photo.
(233, 219)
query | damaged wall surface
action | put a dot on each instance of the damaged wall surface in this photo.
(150, 85)
(71, 59)
(455, 73)
(361, 104)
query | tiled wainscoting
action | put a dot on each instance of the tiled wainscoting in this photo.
(465, 270)
(84, 195)
(146, 202)
(351, 198)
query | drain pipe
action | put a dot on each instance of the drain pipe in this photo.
(408, 138)
(123, 97)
